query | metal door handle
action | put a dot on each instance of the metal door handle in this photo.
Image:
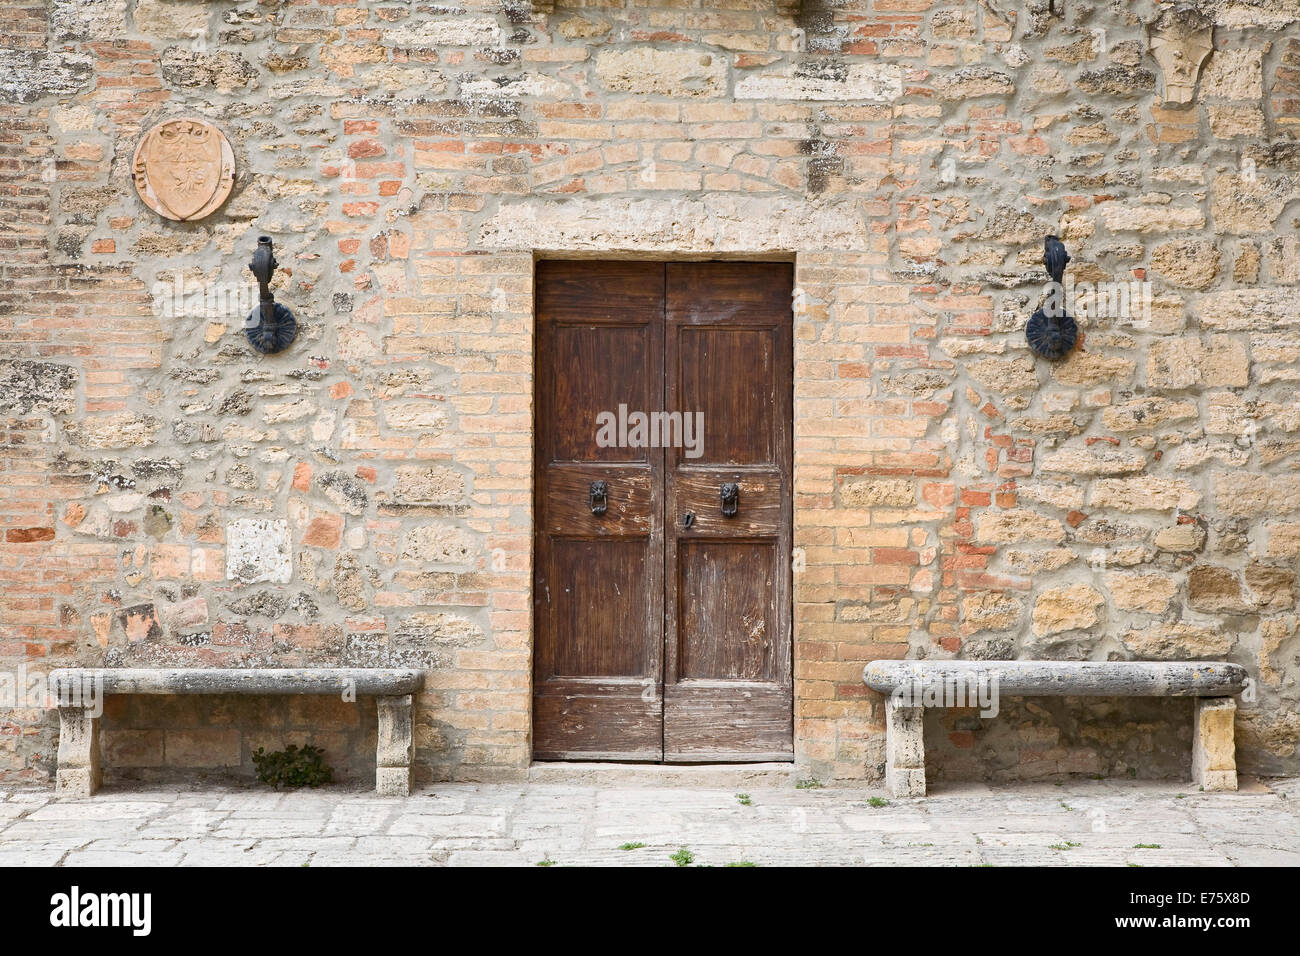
(730, 499)
(598, 497)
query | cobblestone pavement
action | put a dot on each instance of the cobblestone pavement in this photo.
(1079, 822)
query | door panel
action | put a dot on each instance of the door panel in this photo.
(610, 364)
(760, 507)
(658, 638)
(727, 668)
(726, 613)
(738, 412)
(629, 508)
(595, 626)
(598, 586)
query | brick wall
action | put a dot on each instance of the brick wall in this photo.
(953, 495)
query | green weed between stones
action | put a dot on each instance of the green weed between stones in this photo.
(293, 767)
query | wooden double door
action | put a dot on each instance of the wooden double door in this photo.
(662, 588)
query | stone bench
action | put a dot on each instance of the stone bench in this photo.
(910, 686)
(79, 693)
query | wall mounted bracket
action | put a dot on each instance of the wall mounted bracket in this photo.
(1052, 331)
(270, 327)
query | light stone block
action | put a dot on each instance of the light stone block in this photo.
(860, 82)
(1213, 679)
(904, 750)
(716, 223)
(1214, 751)
(393, 757)
(79, 773)
(258, 549)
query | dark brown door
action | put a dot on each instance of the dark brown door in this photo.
(599, 587)
(727, 687)
(662, 610)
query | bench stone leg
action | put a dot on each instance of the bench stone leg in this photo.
(78, 772)
(393, 762)
(904, 750)
(1214, 752)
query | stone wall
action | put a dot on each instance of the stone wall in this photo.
(171, 497)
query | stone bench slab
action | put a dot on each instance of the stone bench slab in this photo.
(362, 681)
(1066, 678)
(910, 686)
(78, 692)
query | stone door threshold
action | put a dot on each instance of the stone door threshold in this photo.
(709, 775)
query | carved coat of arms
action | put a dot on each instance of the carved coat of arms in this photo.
(184, 168)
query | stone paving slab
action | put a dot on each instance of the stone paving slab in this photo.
(575, 823)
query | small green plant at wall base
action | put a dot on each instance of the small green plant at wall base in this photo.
(1067, 845)
(810, 784)
(744, 799)
(293, 767)
(1146, 846)
(742, 863)
(878, 802)
(683, 857)
(545, 861)
(631, 846)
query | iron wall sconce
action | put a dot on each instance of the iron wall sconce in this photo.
(270, 327)
(1052, 331)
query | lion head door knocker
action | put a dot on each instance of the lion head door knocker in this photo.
(1052, 331)
(183, 169)
(730, 494)
(270, 327)
(598, 497)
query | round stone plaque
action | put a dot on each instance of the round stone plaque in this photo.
(184, 168)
